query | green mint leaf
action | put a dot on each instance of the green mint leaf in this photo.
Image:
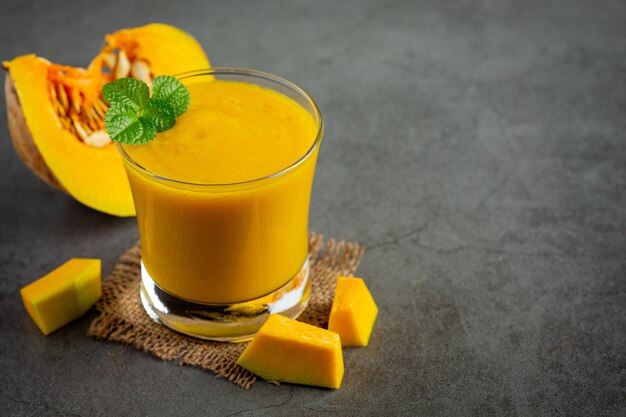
(129, 91)
(149, 131)
(161, 114)
(122, 124)
(134, 118)
(171, 91)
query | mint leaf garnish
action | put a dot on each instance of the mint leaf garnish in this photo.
(122, 124)
(171, 91)
(134, 117)
(129, 91)
(161, 114)
(149, 131)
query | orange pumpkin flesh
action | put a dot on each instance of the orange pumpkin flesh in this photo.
(56, 112)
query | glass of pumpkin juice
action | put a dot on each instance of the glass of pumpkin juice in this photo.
(222, 201)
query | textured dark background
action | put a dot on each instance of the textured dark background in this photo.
(477, 147)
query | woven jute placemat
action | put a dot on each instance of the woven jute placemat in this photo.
(122, 318)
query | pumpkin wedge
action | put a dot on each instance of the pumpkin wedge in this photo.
(56, 112)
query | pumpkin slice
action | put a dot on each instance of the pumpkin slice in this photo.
(56, 112)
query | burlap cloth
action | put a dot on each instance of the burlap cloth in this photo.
(122, 318)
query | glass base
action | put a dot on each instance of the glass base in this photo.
(224, 322)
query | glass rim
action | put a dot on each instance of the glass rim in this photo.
(249, 73)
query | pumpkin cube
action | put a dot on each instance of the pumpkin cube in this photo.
(64, 294)
(287, 350)
(353, 312)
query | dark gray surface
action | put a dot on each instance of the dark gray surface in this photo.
(477, 148)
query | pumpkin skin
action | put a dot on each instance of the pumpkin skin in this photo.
(94, 176)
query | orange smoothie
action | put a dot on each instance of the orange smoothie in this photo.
(219, 220)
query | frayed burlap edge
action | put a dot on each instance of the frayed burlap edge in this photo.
(123, 320)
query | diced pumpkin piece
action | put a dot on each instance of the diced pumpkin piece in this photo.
(353, 312)
(287, 350)
(64, 294)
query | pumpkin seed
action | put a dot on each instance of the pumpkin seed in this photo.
(98, 139)
(62, 97)
(141, 71)
(93, 125)
(77, 103)
(53, 94)
(80, 130)
(122, 69)
(101, 107)
(61, 110)
(110, 60)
